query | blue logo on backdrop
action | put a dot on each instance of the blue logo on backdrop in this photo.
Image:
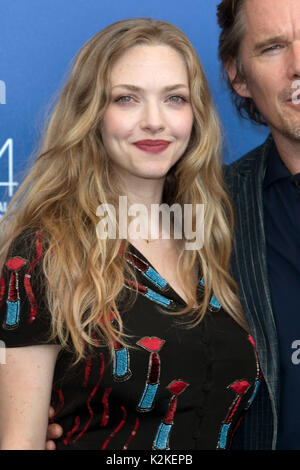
(7, 151)
(2, 92)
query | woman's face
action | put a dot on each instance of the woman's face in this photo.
(147, 125)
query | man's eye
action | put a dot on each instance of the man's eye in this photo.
(272, 48)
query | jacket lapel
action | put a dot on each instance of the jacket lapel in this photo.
(249, 263)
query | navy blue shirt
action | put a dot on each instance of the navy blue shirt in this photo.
(282, 228)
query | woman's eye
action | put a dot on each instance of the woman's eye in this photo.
(124, 99)
(177, 99)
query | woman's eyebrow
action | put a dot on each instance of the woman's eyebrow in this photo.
(136, 88)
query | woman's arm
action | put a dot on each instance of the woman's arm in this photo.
(25, 393)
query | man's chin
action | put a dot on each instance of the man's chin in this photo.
(292, 133)
(289, 128)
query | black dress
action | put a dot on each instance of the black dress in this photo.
(177, 388)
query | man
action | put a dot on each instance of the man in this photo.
(260, 49)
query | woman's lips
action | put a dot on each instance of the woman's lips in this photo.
(152, 146)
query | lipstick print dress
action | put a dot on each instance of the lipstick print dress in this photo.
(175, 388)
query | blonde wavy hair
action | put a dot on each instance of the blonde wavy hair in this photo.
(71, 176)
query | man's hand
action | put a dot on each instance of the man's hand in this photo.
(54, 431)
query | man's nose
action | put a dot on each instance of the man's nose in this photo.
(152, 119)
(294, 62)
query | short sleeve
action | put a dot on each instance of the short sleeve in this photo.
(25, 319)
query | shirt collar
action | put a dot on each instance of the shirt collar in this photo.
(275, 167)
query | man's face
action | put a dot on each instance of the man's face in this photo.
(270, 55)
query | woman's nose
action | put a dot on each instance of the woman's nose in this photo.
(152, 118)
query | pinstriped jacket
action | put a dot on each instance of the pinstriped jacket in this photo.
(244, 179)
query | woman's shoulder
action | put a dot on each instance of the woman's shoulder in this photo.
(24, 316)
(25, 242)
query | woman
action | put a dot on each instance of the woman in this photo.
(140, 343)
